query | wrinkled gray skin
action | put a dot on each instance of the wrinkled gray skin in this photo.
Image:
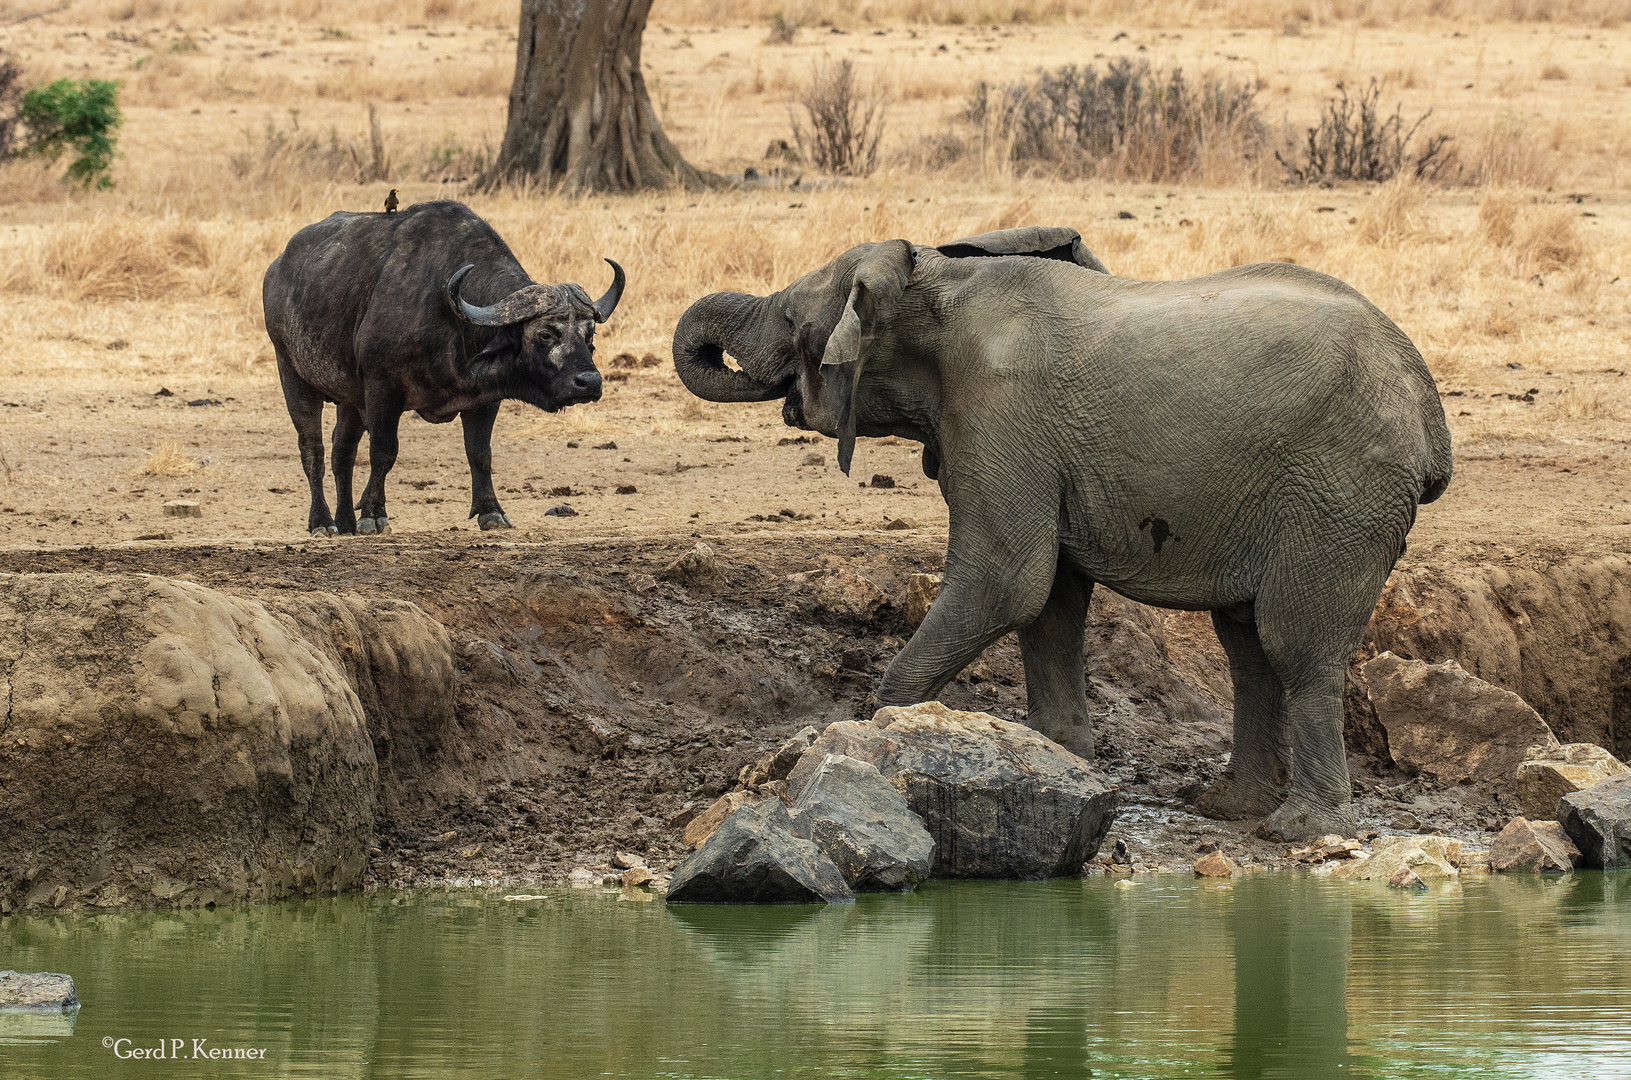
(424, 310)
(1253, 443)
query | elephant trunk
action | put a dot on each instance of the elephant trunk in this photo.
(739, 324)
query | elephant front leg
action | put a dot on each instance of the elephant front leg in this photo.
(991, 587)
(1055, 670)
(1259, 766)
(478, 451)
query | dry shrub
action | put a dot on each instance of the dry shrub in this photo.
(1132, 122)
(1354, 140)
(1578, 402)
(168, 459)
(1393, 214)
(1540, 239)
(1507, 154)
(106, 258)
(844, 120)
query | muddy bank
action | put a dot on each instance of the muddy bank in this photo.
(511, 712)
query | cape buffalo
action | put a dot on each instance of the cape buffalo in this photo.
(425, 309)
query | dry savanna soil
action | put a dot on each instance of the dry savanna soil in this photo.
(135, 369)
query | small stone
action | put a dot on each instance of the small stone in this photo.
(921, 589)
(582, 878)
(1215, 864)
(627, 489)
(183, 508)
(563, 510)
(1126, 883)
(1406, 878)
(814, 458)
(777, 764)
(625, 860)
(636, 876)
(898, 525)
(882, 480)
(694, 566)
(682, 817)
(642, 583)
(606, 446)
(40, 990)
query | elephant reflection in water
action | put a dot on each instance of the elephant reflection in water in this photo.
(1291, 983)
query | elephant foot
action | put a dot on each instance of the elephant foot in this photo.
(1077, 738)
(1303, 819)
(495, 519)
(1230, 798)
(374, 526)
(323, 532)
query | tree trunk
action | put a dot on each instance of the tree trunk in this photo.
(580, 116)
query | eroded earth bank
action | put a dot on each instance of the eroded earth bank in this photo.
(195, 723)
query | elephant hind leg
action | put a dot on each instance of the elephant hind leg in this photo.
(1254, 785)
(1310, 620)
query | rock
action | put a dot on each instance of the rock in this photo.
(921, 589)
(836, 592)
(636, 876)
(1550, 772)
(754, 858)
(778, 788)
(1446, 723)
(582, 877)
(1406, 878)
(779, 762)
(624, 860)
(898, 525)
(1532, 847)
(1000, 800)
(1598, 820)
(1431, 857)
(696, 565)
(168, 743)
(863, 825)
(183, 508)
(41, 990)
(1215, 864)
(682, 817)
(703, 825)
(595, 736)
(1327, 847)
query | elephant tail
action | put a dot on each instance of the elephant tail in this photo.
(1440, 459)
(1438, 474)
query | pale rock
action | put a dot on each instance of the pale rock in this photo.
(40, 990)
(1215, 864)
(695, 566)
(703, 825)
(776, 764)
(1451, 725)
(836, 592)
(921, 589)
(1550, 772)
(1532, 847)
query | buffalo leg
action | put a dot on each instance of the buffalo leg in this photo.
(381, 415)
(1055, 669)
(1259, 765)
(306, 410)
(478, 450)
(347, 434)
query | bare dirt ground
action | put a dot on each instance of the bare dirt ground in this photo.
(129, 325)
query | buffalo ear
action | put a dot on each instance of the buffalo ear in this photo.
(504, 347)
(878, 282)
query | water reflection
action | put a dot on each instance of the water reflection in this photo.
(1263, 977)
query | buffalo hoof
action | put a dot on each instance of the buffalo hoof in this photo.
(1299, 819)
(323, 532)
(1233, 799)
(497, 519)
(370, 526)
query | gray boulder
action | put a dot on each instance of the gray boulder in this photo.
(1598, 820)
(42, 990)
(754, 858)
(864, 826)
(779, 762)
(1446, 723)
(1550, 772)
(998, 799)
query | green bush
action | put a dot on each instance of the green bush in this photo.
(79, 116)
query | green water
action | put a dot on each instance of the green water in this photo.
(1272, 975)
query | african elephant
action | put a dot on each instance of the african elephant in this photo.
(1253, 443)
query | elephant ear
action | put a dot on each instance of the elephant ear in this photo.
(878, 282)
(1042, 241)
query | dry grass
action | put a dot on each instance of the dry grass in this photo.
(168, 459)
